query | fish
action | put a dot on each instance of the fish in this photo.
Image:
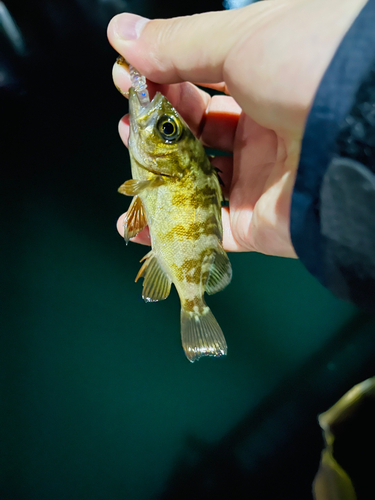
(176, 192)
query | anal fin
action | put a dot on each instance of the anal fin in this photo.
(220, 272)
(156, 284)
(201, 335)
(135, 219)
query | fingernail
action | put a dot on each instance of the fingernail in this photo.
(129, 26)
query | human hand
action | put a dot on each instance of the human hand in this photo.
(270, 57)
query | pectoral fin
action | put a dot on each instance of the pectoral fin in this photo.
(133, 187)
(220, 272)
(135, 219)
(156, 284)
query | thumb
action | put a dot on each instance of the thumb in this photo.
(178, 49)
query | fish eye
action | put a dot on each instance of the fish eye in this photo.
(169, 128)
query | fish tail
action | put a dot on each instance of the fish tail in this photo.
(201, 334)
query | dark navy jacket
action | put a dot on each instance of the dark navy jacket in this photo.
(333, 203)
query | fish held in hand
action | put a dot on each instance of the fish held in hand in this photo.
(176, 192)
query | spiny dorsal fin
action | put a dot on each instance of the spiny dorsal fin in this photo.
(201, 335)
(135, 219)
(156, 284)
(220, 272)
(134, 186)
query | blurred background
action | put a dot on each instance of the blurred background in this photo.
(97, 398)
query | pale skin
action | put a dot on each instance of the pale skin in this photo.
(269, 57)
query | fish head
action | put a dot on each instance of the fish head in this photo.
(159, 138)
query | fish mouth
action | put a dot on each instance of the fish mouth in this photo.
(137, 112)
(140, 118)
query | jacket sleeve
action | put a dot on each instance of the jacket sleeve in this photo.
(333, 202)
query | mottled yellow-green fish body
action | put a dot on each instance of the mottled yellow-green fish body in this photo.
(177, 193)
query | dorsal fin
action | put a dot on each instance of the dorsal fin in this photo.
(135, 219)
(156, 284)
(220, 272)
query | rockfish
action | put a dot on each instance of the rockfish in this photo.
(176, 192)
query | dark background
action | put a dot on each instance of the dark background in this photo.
(97, 398)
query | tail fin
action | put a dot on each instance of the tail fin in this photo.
(201, 335)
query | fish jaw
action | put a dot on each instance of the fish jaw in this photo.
(142, 121)
(141, 115)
